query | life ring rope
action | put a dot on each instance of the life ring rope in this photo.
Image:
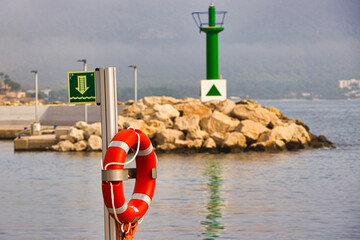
(126, 148)
(121, 209)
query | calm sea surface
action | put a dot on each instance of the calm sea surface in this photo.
(310, 194)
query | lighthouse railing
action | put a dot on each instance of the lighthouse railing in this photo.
(201, 19)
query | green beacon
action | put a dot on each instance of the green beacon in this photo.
(216, 88)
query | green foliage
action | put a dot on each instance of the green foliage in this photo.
(14, 86)
(58, 95)
(32, 95)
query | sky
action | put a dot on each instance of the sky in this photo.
(161, 38)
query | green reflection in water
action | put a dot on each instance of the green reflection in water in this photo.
(212, 223)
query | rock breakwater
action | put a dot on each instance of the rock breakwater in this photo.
(190, 126)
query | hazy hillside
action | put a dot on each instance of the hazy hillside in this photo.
(268, 49)
(296, 47)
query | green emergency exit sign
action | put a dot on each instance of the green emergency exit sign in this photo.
(82, 87)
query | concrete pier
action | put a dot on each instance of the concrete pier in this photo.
(42, 142)
(11, 131)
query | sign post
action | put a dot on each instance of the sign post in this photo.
(107, 99)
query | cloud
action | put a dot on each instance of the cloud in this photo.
(161, 37)
(152, 33)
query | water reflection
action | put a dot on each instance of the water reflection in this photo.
(212, 223)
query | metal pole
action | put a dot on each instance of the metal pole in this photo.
(85, 66)
(85, 106)
(135, 83)
(108, 103)
(36, 95)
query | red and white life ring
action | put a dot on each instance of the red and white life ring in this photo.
(144, 188)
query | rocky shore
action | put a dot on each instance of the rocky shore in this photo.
(190, 126)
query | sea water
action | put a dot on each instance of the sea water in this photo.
(308, 194)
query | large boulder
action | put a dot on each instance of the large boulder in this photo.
(187, 123)
(166, 147)
(226, 106)
(165, 112)
(249, 103)
(193, 108)
(234, 142)
(269, 146)
(219, 122)
(93, 129)
(256, 114)
(80, 146)
(188, 144)
(153, 127)
(55, 147)
(65, 146)
(294, 136)
(75, 135)
(135, 123)
(218, 138)
(211, 104)
(251, 130)
(122, 120)
(168, 136)
(151, 101)
(190, 100)
(94, 143)
(320, 142)
(168, 123)
(277, 112)
(81, 125)
(209, 145)
(133, 111)
(193, 134)
(156, 124)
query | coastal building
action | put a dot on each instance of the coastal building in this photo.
(349, 84)
(352, 85)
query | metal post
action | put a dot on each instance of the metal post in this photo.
(85, 105)
(135, 82)
(85, 66)
(36, 95)
(108, 103)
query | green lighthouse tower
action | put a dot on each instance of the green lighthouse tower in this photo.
(212, 46)
(213, 87)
